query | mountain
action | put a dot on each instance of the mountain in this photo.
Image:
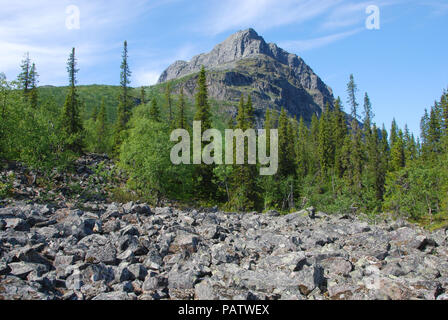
(245, 63)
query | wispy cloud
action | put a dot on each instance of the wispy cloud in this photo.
(262, 14)
(305, 45)
(39, 27)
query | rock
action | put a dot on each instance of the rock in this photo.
(3, 225)
(17, 224)
(23, 269)
(138, 271)
(114, 296)
(106, 254)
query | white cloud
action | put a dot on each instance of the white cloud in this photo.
(262, 14)
(146, 77)
(304, 45)
(39, 27)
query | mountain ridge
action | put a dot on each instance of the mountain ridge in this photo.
(246, 63)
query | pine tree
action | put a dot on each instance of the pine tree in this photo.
(286, 161)
(244, 195)
(339, 130)
(434, 130)
(124, 99)
(249, 110)
(302, 151)
(268, 127)
(71, 121)
(33, 94)
(397, 155)
(154, 112)
(356, 153)
(204, 173)
(24, 76)
(325, 144)
(352, 89)
(203, 112)
(169, 101)
(181, 120)
(368, 116)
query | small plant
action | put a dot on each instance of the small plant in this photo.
(6, 186)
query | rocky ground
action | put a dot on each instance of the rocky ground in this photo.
(110, 251)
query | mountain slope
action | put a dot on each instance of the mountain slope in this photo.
(245, 63)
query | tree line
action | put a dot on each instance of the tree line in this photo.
(338, 163)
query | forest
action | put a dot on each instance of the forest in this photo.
(337, 164)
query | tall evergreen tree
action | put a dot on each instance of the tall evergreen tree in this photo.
(325, 143)
(71, 120)
(33, 94)
(124, 98)
(169, 102)
(154, 111)
(181, 119)
(204, 173)
(24, 76)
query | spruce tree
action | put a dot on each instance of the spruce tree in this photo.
(325, 144)
(181, 120)
(169, 102)
(244, 195)
(301, 151)
(24, 76)
(397, 154)
(154, 111)
(203, 112)
(204, 173)
(124, 98)
(33, 94)
(71, 120)
(286, 161)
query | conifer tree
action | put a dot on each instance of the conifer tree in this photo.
(71, 121)
(339, 130)
(325, 145)
(203, 112)
(355, 164)
(154, 111)
(285, 161)
(204, 173)
(302, 150)
(181, 120)
(397, 155)
(124, 99)
(169, 102)
(33, 94)
(244, 184)
(24, 76)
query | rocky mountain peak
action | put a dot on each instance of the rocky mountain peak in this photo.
(246, 63)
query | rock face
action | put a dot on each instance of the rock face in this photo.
(245, 63)
(164, 253)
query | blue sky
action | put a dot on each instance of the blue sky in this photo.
(403, 66)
